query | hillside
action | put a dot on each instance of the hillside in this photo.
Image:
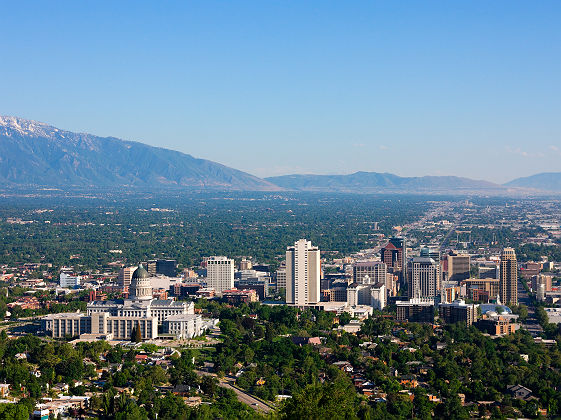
(546, 181)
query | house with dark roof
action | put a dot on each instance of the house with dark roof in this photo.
(519, 392)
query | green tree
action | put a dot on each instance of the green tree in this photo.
(452, 408)
(137, 336)
(208, 385)
(332, 400)
(344, 318)
(14, 412)
(399, 405)
(131, 411)
(421, 404)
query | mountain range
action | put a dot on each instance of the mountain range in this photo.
(373, 182)
(37, 154)
(34, 153)
(548, 181)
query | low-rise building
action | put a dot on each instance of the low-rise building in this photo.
(206, 292)
(235, 296)
(481, 289)
(546, 342)
(530, 269)
(66, 324)
(68, 281)
(261, 285)
(497, 320)
(497, 325)
(458, 311)
(553, 315)
(542, 279)
(519, 392)
(59, 407)
(25, 302)
(184, 326)
(4, 390)
(99, 324)
(184, 289)
(416, 310)
(552, 297)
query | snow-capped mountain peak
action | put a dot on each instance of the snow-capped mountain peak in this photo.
(26, 127)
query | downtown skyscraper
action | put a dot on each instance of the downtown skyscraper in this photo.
(508, 279)
(422, 280)
(302, 273)
(220, 274)
(394, 255)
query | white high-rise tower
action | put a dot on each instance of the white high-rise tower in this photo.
(302, 273)
(422, 278)
(220, 274)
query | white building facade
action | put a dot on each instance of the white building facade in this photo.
(367, 294)
(68, 281)
(422, 278)
(184, 326)
(302, 273)
(220, 274)
(369, 272)
(378, 294)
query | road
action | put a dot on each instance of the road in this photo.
(22, 326)
(531, 323)
(229, 382)
(445, 239)
(244, 396)
(440, 211)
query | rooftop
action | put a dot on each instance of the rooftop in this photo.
(416, 301)
(367, 263)
(486, 307)
(140, 273)
(182, 317)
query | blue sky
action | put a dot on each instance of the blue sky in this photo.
(413, 88)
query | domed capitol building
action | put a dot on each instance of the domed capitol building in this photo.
(117, 319)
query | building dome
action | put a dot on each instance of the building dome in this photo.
(141, 286)
(140, 273)
(493, 307)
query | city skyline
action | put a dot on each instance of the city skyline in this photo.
(281, 210)
(436, 89)
(478, 277)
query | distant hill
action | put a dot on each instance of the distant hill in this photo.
(34, 153)
(374, 182)
(546, 181)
